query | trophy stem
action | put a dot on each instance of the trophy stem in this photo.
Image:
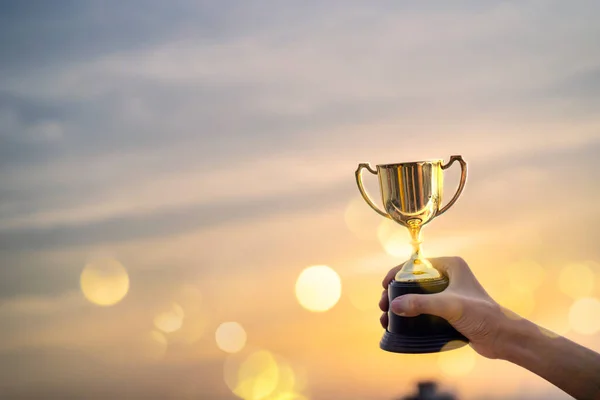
(418, 268)
(415, 234)
(414, 227)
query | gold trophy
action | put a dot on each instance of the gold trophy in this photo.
(411, 193)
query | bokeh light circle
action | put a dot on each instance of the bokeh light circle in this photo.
(231, 337)
(170, 319)
(361, 220)
(318, 288)
(253, 376)
(289, 396)
(457, 362)
(583, 316)
(576, 280)
(394, 239)
(104, 282)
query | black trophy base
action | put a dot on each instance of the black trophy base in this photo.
(421, 334)
(399, 343)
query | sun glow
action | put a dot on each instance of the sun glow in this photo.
(104, 282)
(230, 337)
(318, 288)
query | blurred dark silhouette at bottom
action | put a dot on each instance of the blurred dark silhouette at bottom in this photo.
(428, 390)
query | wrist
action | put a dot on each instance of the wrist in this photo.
(518, 339)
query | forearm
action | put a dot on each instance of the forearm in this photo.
(567, 365)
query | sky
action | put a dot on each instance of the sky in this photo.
(207, 150)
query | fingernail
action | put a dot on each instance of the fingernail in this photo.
(398, 307)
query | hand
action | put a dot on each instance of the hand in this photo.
(495, 332)
(464, 304)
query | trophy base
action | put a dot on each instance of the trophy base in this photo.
(421, 334)
(399, 343)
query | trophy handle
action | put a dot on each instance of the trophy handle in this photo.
(461, 185)
(365, 196)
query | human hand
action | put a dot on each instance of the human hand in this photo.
(495, 332)
(464, 304)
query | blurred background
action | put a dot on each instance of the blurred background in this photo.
(179, 217)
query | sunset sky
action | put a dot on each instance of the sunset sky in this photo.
(203, 153)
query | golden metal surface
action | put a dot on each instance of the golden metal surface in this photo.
(411, 194)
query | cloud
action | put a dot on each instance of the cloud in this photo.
(189, 131)
(40, 305)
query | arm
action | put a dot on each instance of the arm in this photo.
(567, 365)
(495, 332)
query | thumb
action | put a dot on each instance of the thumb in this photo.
(442, 305)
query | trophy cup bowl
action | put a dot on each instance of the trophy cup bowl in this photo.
(411, 194)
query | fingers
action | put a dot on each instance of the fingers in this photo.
(384, 302)
(445, 305)
(441, 304)
(452, 267)
(384, 320)
(462, 278)
(384, 305)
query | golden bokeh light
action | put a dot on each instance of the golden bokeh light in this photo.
(583, 316)
(231, 337)
(576, 280)
(254, 376)
(300, 378)
(259, 374)
(288, 396)
(104, 282)
(232, 366)
(457, 362)
(286, 378)
(289, 384)
(318, 288)
(361, 220)
(394, 239)
(169, 319)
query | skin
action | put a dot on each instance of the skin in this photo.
(497, 333)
